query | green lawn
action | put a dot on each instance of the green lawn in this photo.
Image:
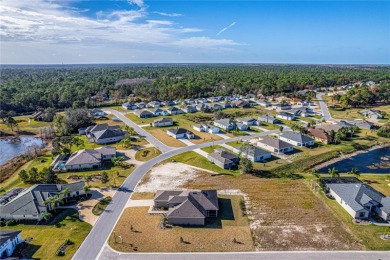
(197, 160)
(99, 208)
(48, 238)
(147, 153)
(26, 126)
(210, 149)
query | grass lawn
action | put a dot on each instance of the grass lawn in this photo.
(367, 235)
(48, 238)
(380, 182)
(216, 236)
(99, 208)
(161, 135)
(147, 153)
(114, 179)
(140, 121)
(197, 160)
(26, 126)
(142, 195)
(210, 149)
(39, 163)
(110, 121)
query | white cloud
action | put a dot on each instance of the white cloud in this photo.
(227, 27)
(38, 24)
(168, 14)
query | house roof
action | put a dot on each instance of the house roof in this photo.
(224, 121)
(179, 131)
(156, 110)
(267, 117)
(329, 127)
(295, 136)
(285, 114)
(223, 156)
(143, 112)
(32, 200)
(274, 142)
(107, 133)
(356, 195)
(106, 150)
(245, 119)
(319, 133)
(8, 234)
(84, 157)
(163, 120)
(253, 151)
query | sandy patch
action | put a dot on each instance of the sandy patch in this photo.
(168, 176)
(139, 203)
(130, 154)
(85, 207)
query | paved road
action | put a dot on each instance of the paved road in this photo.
(95, 241)
(324, 108)
(289, 255)
(150, 138)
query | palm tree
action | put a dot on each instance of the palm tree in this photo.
(87, 189)
(46, 215)
(334, 172)
(332, 135)
(53, 201)
(118, 161)
(338, 136)
(64, 193)
(354, 171)
(315, 174)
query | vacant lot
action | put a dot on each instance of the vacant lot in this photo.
(161, 135)
(26, 126)
(46, 239)
(285, 214)
(216, 236)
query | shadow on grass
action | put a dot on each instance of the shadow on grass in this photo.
(27, 251)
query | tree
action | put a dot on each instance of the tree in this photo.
(49, 176)
(11, 123)
(246, 166)
(46, 215)
(87, 189)
(24, 176)
(333, 172)
(126, 142)
(104, 177)
(118, 161)
(129, 130)
(219, 115)
(354, 171)
(88, 178)
(281, 128)
(64, 144)
(72, 120)
(33, 175)
(53, 201)
(315, 174)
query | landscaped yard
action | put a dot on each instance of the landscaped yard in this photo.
(147, 153)
(46, 239)
(216, 236)
(99, 208)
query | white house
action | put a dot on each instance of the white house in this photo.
(254, 153)
(274, 145)
(9, 240)
(225, 124)
(158, 112)
(162, 122)
(285, 116)
(247, 120)
(180, 133)
(296, 138)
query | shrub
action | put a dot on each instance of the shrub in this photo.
(60, 253)
(69, 242)
(10, 222)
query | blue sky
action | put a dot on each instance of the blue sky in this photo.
(337, 32)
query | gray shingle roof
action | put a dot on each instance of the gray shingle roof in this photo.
(84, 157)
(253, 151)
(295, 136)
(179, 131)
(274, 142)
(224, 121)
(356, 195)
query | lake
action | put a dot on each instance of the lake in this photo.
(375, 161)
(9, 150)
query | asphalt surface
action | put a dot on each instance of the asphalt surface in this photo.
(278, 255)
(142, 132)
(324, 107)
(96, 239)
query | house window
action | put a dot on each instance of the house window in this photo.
(362, 214)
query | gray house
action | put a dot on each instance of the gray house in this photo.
(296, 138)
(188, 207)
(225, 124)
(166, 121)
(371, 113)
(30, 203)
(180, 133)
(268, 119)
(189, 109)
(360, 200)
(103, 134)
(254, 153)
(174, 111)
(223, 159)
(247, 120)
(274, 145)
(144, 113)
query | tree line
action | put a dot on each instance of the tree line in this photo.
(30, 88)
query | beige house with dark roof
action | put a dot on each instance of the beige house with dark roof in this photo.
(188, 207)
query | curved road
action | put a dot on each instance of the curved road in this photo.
(94, 243)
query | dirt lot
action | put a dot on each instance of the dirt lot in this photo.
(217, 236)
(161, 135)
(284, 213)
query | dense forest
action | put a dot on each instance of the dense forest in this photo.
(28, 88)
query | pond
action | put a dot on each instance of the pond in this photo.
(375, 161)
(9, 150)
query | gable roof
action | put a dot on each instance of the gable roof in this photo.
(179, 131)
(295, 136)
(356, 195)
(84, 156)
(163, 120)
(224, 122)
(253, 151)
(319, 133)
(274, 142)
(245, 119)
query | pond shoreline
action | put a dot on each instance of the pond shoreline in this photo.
(342, 157)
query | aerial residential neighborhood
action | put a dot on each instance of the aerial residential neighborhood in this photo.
(190, 130)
